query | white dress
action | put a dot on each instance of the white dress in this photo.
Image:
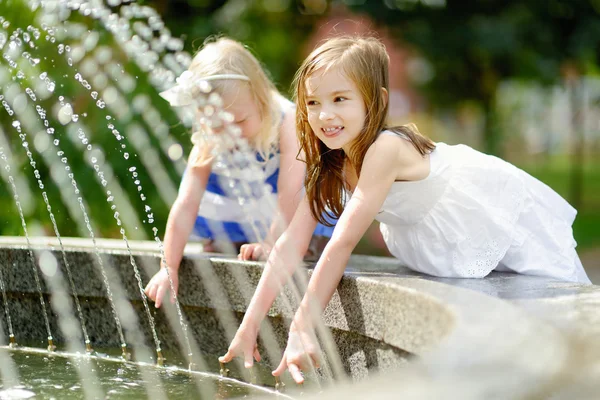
(475, 213)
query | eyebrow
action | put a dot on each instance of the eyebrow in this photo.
(334, 93)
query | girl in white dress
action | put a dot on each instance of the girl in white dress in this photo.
(447, 211)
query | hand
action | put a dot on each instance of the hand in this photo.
(301, 353)
(201, 155)
(253, 251)
(159, 284)
(244, 345)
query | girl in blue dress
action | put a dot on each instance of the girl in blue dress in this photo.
(205, 209)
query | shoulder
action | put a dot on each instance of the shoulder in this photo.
(287, 128)
(393, 154)
(288, 121)
(388, 146)
(288, 114)
(382, 155)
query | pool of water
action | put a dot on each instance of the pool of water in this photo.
(48, 376)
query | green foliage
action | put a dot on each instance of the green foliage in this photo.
(276, 37)
(473, 45)
(117, 155)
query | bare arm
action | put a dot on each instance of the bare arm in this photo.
(379, 171)
(185, 209)
(289, 189)
(282, 262)
(291, 177)
(291, 170)
(179, 225)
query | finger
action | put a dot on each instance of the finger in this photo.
(147, 290)
(248, 361)
(257, 356)
(296, 373)
(227, 357)
(152, 292)
(247, 253)
(241, 256)
(315, 359)
(257, 253)
(159, 296)
(281, 367)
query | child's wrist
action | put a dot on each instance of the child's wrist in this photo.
(172, 267)
(250, 324)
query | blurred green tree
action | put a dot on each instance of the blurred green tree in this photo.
(472, 45)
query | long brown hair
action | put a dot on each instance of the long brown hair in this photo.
(364, 61)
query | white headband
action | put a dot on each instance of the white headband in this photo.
(181, 94)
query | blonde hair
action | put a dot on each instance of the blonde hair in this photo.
(364, 61)
(226, 56)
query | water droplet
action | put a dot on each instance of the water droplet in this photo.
(126, 156)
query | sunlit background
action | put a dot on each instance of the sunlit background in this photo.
(516, 78)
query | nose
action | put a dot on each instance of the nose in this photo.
(326, 115)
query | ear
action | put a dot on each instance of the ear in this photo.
(385, 96)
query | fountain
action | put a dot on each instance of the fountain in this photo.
(79, 80)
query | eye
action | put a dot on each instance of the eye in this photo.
(241, 121)
(311, 103)
(340, 98)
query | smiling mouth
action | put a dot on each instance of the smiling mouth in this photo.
(333, 131)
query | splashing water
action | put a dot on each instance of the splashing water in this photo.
(69, 87)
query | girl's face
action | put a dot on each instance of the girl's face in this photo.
(239, 102)
(336, 110)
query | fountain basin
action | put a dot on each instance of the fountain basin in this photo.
(388, 324)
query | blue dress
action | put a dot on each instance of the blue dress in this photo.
(222, 217)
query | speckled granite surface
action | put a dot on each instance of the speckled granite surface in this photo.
(212, 290)
(381, 315)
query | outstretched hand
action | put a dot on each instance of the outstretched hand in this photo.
(243, 345)
(159, 284)
(301, 353)
(253, 252)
